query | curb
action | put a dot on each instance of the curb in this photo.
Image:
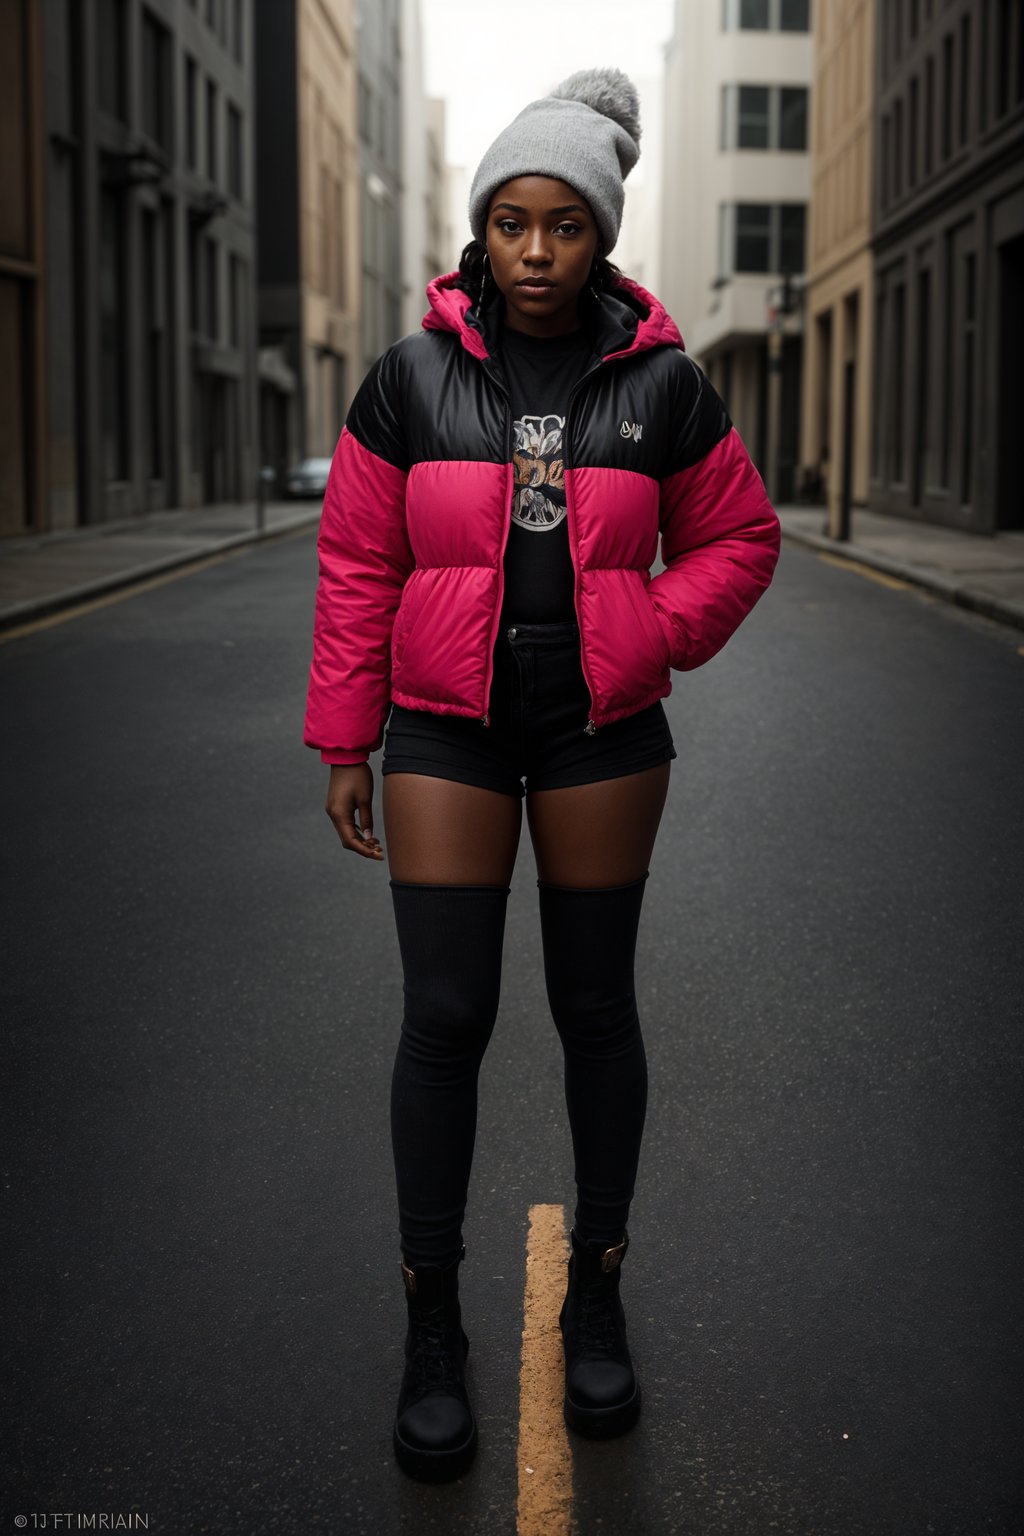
(16, 614)
(946, 587)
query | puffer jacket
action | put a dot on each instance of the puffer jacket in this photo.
(418, 505)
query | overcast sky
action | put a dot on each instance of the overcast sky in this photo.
(488, 58)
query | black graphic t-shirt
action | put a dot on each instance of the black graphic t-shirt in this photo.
(541, 372)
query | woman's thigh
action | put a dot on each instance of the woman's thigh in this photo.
(437, 832)
(598, 834)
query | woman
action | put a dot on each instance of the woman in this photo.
(492, 516)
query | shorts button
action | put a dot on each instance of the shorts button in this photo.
(511, 634)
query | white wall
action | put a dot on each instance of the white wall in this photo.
(698, 176)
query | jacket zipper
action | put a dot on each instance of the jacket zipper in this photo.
(509, 494)
(590, 727)
(570, 511)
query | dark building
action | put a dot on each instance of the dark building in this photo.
(151, 350)
(307, 212)
(380, 164)
(948, 249)
(22, 273)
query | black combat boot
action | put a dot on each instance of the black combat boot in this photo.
(435, 1432)
(602, 1394)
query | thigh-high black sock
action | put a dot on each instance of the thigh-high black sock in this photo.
(450, 937)
(589, 946)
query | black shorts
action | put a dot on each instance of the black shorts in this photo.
(540, 705)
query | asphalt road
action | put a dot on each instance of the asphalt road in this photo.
(201, 996)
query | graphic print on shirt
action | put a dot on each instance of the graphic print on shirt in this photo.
(539, 502)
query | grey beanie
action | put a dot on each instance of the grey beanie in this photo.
(586, 133)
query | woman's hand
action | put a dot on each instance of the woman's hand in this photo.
(351, 790)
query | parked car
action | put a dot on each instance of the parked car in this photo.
(308, 478)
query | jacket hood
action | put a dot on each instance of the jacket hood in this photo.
(629, 321)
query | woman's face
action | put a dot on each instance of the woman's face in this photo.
(541, 240)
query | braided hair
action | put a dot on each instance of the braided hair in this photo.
(604, 275)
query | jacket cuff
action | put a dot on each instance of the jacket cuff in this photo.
(340, 758)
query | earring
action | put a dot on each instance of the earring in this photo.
(484, 274)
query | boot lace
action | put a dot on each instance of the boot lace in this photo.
(432, 1362)
(596, 1322)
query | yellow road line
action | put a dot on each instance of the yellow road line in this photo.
(544, 1460)
(135, 589)
(883, 580)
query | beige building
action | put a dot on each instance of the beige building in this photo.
(835, 429)
(308, 211)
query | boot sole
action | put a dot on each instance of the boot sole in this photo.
(435, 1466)
(602, 1423)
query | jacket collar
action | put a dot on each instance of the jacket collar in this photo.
(629, 321)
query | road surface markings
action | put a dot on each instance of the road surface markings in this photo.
(136, 588)
(883, 580)
(544, 1460)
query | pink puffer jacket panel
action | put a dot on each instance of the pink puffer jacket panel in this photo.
(418, 506)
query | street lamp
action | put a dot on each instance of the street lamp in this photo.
(782, 299)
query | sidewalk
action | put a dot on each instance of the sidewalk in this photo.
(983, 574)
(42, 574)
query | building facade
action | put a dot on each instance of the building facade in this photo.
(736, 187)
(838, 383)
(948, 247)
(438, 232)
(380, 76)
(24, 500)
(308, 225)
(149, 182)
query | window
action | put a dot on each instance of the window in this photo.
(236, 316)
(764, 117)
(113, 394)
(111, 57)
(753, 117)
(235, 177)
(212, 295)
(897, 150)
(879, 395)
(191, 113)
(762, 237)
(211, 130)
(339, 247)
(365, 110)
(325, 232)
(793, 118)
(965, 75)
(766, 15)
(792, 222)
(155, 341)
(795, 16)
(967, 423)
(896, 373)
(156, 81)
(753, 237)
(195, 290)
